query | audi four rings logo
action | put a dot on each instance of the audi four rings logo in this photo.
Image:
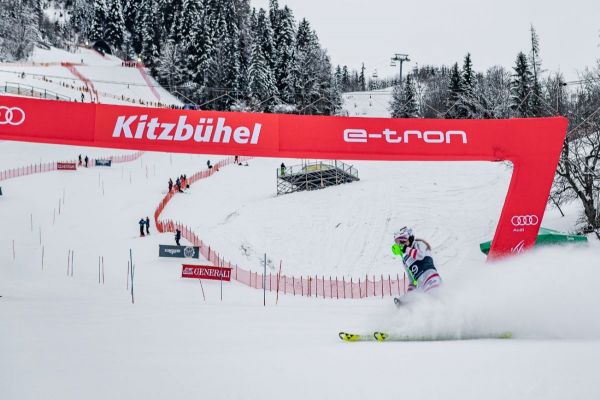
(11, 116)
(524, 220)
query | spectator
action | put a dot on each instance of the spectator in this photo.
(86, 159)
(208, 164)
(147, 226)
(80, 161)
(178, 184)
(170, 184)
(177, 236)
(82, 97)
(142, 223)
(235, 159)
(282, 169)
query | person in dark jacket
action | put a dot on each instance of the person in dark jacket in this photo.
(80, 161)
(170, 184)
(147, 226)
(177, 236)
(142, 224)
(86, 159)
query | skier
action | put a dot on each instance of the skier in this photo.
(177, 236)
(417, 260)
(142, 223)
(147, 225)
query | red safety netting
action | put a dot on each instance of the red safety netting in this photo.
(310, 286)
(52, 166)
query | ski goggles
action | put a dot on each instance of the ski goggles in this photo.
(401, 240)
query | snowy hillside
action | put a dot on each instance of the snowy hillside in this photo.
(71, 337)
(113, 82)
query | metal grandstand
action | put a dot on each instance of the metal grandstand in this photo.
(314, 175)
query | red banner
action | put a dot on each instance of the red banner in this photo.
(532, 145)
(206, 272)
(66, 166)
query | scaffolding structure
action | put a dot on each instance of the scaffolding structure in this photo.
(314, 175)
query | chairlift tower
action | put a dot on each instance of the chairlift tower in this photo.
(399, 58)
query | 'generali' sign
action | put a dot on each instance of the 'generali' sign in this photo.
(206, 272)
(66, 166)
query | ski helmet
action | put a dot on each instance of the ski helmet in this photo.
(403, 235)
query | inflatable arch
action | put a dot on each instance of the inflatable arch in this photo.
(532, 145)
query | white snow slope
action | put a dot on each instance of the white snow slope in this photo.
(69, 337)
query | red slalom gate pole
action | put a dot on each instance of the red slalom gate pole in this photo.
(278, 278)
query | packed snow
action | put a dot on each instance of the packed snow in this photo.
(71, 337)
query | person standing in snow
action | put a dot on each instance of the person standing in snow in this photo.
(417, 260)
(86, 159)
(177, 236)
(170, 184)
(142, 224)
(147, 225)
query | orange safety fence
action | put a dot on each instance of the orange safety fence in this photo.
(52, 166)
(310, 286)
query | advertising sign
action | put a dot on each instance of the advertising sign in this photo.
(103, 163)
(65, 166)
(206, 272)
(532, 145)
(178, 251)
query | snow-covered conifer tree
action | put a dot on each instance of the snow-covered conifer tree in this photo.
(521, 87)
(115, 24)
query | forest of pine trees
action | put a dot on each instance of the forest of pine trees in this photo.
(459, 92)
(218, 54)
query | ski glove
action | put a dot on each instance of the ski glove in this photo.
(397, 249)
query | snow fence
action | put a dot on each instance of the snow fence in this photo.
(53, 166)
(310, 286)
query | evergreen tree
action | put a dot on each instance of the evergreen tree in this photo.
(362, 83)
(170, 64)
(98, 27)
(150, 34)
(115, 24)
(454, 93)
(345, 79)
(264, 34)
(466, 106)
(82, 17)
(18, 30)
(262, 83)
(536, 63)
(521, 87)
(404, 103)
(284, 57)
